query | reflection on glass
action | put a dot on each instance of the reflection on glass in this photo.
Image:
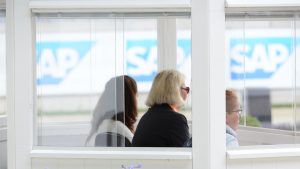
(184, 60)
(267, 55)
(3, 121)
(2, 67)
(140, 40)
(297, 75)
(115, 114)
(235, 30)
(73, 64)
(78, 58)
(261, 66)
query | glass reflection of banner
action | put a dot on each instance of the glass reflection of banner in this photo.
(269, 62)
(262, 61)
(141, 58)
(57, 61)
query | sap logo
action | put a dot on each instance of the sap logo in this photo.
(258, 58)
(55, 60)
(142, 57)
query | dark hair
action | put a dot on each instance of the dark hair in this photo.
(130, 113)
(130, 92)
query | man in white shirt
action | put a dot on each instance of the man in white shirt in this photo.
(233, 110)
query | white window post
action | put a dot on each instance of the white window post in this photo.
(19, 83)
(166, 43)
(208, 84)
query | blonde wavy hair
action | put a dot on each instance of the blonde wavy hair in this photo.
(166, 88)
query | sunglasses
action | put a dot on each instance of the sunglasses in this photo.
(187, 89)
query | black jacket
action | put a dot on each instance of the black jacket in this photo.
(161, 127)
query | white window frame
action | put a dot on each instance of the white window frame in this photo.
(265, 5)
(163, 28)
(207, 68)
(208, 63)
(81, 6)
(19, 71)
(262, 151)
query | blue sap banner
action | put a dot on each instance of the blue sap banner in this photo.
(59, 60)
(142, 58)
(55, 60)
(259, 58)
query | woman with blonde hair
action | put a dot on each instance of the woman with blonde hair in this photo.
(163, 125)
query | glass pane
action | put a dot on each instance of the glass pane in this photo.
(184, 61)
(3, 125)
(109, 116)
(145, 68)
(80, 88)
(158, 127)
(76, 68)
(235, 30)
(260, 67)
(270, 101)
(297, 75)
(140, 37)
(83, 97)
(2, 67)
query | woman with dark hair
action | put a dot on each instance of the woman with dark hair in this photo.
(115, 114)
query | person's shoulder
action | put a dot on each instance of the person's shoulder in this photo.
(231, 141)
(179, 115)
(177, 118)
(164, 110)
(161, 109)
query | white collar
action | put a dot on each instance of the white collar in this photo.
(115, 127)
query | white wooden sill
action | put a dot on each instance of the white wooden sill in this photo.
(41, 6)
(114, 153)
(270, 151)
